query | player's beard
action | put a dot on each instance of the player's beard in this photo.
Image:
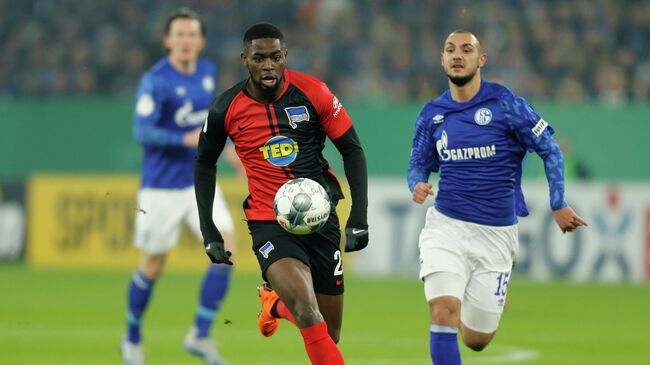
(461, 81)
(263, 89)
(268, 92)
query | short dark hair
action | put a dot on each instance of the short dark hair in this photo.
(262, 30)
(465, 31)
(183, 13)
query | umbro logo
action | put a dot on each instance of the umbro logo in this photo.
(439, 118)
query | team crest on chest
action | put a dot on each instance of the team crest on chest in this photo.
(297, 114)
(483, 116)
(208, 83)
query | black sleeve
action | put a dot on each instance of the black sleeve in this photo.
(211, 143)
(354, 163)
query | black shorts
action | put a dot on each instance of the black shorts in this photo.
(320, 251)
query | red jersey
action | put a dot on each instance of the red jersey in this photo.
(278, 141)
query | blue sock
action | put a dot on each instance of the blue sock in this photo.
(213, 290)
(444, 345)
(139, 294)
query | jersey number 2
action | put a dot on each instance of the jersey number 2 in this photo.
(339, 269)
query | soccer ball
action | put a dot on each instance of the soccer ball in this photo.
(301, 206)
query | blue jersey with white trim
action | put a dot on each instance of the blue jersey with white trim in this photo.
(170, 104)
(478, 147)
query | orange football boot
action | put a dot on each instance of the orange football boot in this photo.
(265, 321)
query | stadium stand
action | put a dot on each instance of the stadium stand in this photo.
(573, 51)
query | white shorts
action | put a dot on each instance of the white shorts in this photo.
(471, 262)
(161, 213)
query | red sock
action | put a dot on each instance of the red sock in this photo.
(284, 312)
(321, 349)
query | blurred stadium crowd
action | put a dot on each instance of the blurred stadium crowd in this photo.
(367, 50)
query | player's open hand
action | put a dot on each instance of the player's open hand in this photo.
(422, 191)
(217, 253)
(568, 220)
(356, 239)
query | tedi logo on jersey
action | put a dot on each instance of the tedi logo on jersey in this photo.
(483, 116)
(465, 153)
(297, 114)
(280, 150)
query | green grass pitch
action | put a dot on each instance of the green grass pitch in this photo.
(75, 318)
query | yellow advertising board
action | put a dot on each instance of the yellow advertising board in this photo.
(86, 222)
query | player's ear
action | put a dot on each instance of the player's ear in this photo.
(442, 59)
(244, 59)
(201, 44)
(165, 41)
(482, 59)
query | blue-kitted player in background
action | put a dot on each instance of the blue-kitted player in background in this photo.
(172, 105)
(476, 135)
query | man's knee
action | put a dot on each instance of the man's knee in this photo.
(291, 279)
(476, 341)
(306, 313)
(445, 311)
(152, 265)
(478, 326)
(476, 345)
(303, 309)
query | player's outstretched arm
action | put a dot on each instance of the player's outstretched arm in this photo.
(548, 149)
(568, 220)
(211, 143)
(550, 152)
(536, 135)
(356, 172)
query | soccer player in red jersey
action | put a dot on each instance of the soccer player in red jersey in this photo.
(278, 120)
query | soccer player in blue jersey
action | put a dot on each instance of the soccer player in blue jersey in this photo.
(476, 135)
(172, 104)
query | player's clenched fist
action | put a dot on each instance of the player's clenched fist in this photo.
(217, 253)
(421, 192)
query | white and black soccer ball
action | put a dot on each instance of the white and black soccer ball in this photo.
(301, 206)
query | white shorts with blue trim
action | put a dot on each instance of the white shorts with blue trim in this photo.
(471, 262)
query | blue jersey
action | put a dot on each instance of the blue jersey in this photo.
(478, 147)
(169, 104)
